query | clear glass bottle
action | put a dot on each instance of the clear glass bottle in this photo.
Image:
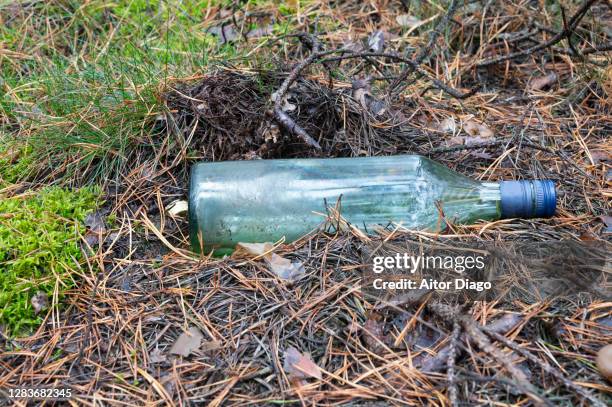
(266, 200)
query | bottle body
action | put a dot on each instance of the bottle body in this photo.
(266, 200)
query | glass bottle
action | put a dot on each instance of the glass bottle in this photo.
(267, 200)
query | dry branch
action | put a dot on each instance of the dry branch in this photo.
(566, 33)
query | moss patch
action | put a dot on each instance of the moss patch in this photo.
(38, 249)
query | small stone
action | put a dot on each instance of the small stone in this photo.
(604, 361)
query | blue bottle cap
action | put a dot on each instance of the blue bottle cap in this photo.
(528, 199)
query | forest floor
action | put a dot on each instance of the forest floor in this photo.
(104, 107)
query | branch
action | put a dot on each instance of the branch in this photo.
(436, 82)
(566, 33)
(277, 97)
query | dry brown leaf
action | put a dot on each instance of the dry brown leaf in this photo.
(604, 361)
(587, 236)
(406, 20)
(374, 337)
(475, 129)
(252, 249)
(300, 366)
(187, 342)
(40, 301)
(225, 33)
(542, 82)
(95, 222)
(177, 208)
(448, 125)
(285, 268)
(157, 356)
(282, 267)
(376, 41)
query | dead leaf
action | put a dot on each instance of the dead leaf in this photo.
(157, 356)
(225, 33)
(362, 93)
(542, 82)
(95, 222)
(374, 337)
(285, 268)
(187, 342)
(282, 267)
(455, 141)
(475, 129)
(406, 20)
(376, 41)
(177, 208)
(91, 238)
(448, 125)
(169, 383)
(254, 249)
(40, 301)
(300, 366)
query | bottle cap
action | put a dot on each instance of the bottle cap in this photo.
(528, 199)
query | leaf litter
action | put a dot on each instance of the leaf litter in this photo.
(300, 366)
(187, 342)
(280, 266)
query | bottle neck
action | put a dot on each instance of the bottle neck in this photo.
(490, 191)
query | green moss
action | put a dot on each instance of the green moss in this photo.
(15, 162)
(38, 249)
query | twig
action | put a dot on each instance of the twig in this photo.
(476, 335)
(570, 31)
(436, 82)
(585, 51)
(426, 50)
(567, 31)
(450, 373)
(317, 56)
(544, 366)
(281, 117)
(291, 126)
